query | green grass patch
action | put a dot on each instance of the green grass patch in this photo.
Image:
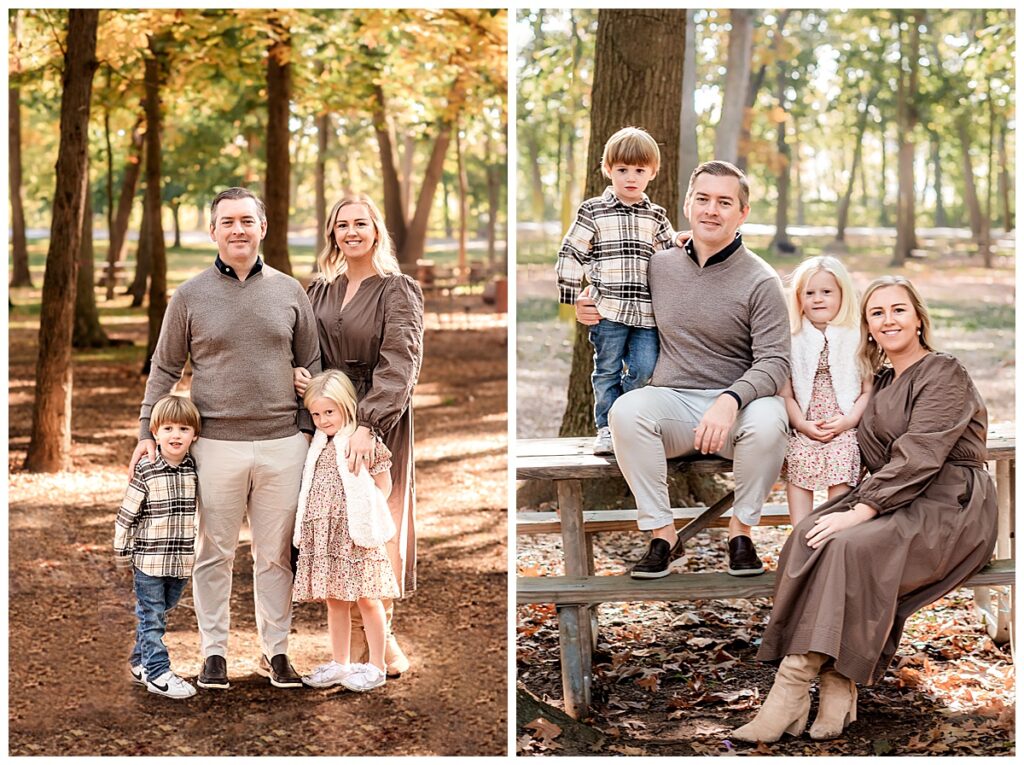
(536, 309)
(972, 316)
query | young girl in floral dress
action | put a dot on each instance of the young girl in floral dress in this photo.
(828, 390)
(341, 527)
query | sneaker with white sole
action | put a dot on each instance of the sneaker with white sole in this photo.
(603, 442)
(138, 673)
(327, 675)
(364, 677)
(171, 686)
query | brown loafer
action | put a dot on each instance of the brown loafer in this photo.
(280, 671)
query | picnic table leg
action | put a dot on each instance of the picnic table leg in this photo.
(994, 605)
(589, 538)
(574, 622)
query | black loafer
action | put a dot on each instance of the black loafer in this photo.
(654, 565)
(214, 674)
(743, 560)
(280, 671)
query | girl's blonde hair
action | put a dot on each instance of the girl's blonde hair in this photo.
(869, 354)
(335, 386)
(331, 261)
(847, 315)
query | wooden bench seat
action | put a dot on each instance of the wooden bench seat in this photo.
(594, 521)
(592, 590)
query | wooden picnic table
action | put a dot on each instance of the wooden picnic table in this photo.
(569, 461)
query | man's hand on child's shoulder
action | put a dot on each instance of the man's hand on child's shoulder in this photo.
(682, 238)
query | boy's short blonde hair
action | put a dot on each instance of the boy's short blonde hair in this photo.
(175, 410)
(630, 146)
(335, 386)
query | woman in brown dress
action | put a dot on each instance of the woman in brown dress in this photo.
(370, 321)
(920, 525)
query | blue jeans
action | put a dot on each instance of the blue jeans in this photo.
(155, 596)
(624, 359)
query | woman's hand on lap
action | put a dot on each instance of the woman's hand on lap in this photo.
(828, 525)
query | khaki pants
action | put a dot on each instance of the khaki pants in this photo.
(652, 424)
(259, 480)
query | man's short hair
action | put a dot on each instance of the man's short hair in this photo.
(237, 192)
(174, 410)
(720, 167)
(631, 146)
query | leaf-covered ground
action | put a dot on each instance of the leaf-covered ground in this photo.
(70, 611)
(676, 678)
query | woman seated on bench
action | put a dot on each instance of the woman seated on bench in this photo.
(920, 525)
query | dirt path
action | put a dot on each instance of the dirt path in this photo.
(70, 613)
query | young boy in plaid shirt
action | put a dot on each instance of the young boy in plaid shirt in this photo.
(611, 243)
(155, 534)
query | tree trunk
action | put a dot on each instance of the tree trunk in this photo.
(970, 183)
(463, 202)
(494, 174)
(858, 149)
(743, 148)
(781, 242)
(737, 82)
(119, 229)
(49, 449)
(906, 120)
(579, 735)
(637, 75)
(941, 219)
(277, 188)
(1004, 180)
(176, 222)
(449, 232)
(88, 332)
(394, 213)
(405, 180)
(536, 182)
(110, 161)
(143, 262)
(156, 68)
(20, 276)
(323, 124)
(985, 244)
(688, 156)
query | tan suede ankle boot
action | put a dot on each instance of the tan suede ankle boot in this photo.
(837, 705)
(788, 703)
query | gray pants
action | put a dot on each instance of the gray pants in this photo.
(652, 424)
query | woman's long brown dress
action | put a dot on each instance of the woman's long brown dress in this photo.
(377, 340)
(923, 437)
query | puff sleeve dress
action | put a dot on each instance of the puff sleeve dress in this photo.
(377, 340)
(923, 437)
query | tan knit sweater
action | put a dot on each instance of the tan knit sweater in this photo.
(243, 338)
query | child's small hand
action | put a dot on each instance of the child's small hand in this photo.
(815, 431)
(301, 378)
(682, 238)
(836, 425)
(586, 311)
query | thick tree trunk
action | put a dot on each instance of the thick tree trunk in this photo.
(87, 333)
(49, 449)
(688, 157)
(906, 120)
(176, 222)
(737, 82)
(277, 191)
(119, 229)
(323, 125)
(394, 213)
(156, 68)
(637, 75)
(20, 276)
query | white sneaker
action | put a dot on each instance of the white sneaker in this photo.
(603, 442)
(327, 675)
(170, 685)
(364, 677)
(138, 673)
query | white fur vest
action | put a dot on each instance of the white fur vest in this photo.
(842, 363)
(369, 519)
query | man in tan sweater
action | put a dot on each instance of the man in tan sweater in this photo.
(244, 326)
(724, 337)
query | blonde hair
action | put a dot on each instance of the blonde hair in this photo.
(630, 146)
(331, 261)
(335, 386)
(869, 354)
(174, 410)
(847, 315)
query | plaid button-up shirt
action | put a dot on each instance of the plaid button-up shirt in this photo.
(611, 243)
(155, 528)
